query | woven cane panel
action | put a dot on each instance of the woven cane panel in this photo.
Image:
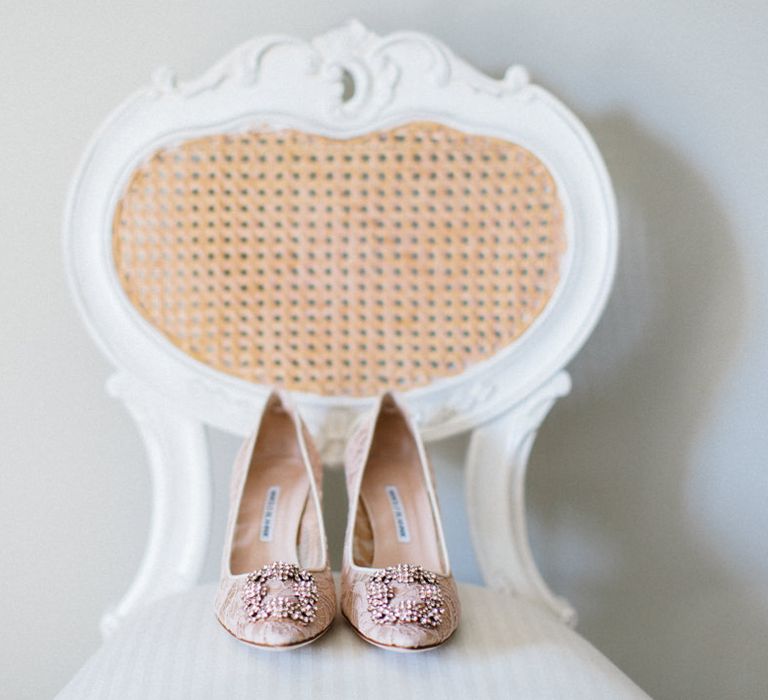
(341, 266)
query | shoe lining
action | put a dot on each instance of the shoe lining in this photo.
(277, 520)
(395, 522)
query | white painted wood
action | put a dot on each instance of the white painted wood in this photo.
(177, 452)
(281, 81)
(497, 461)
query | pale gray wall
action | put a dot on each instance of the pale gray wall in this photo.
(648, 485)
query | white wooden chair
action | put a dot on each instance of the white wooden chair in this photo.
(339, 216)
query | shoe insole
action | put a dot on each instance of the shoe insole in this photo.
(394, 494)
(274, 499)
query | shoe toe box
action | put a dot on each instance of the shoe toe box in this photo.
(274, 632)
(399, 635)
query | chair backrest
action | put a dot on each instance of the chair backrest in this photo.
(339, 217)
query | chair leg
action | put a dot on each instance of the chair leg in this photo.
(496, 466)
(177, 450)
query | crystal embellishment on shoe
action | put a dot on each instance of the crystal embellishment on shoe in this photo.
(300, 606)
(426, 611)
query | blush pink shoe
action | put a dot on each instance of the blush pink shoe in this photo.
(276, 589)
(396, 585)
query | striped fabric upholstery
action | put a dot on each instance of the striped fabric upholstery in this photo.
(505, 648)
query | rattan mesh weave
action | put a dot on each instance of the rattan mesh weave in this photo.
(340, 266)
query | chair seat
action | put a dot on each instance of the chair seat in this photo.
(505, 647)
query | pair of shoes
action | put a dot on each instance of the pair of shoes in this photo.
(276, 589)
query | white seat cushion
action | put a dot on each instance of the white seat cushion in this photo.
(505, 647)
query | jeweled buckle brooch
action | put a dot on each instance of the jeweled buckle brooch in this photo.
(427, 611)
(301, 606)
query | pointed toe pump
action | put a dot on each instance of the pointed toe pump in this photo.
(276, 589)
(397, 588)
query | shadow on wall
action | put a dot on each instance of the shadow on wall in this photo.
(610, 473)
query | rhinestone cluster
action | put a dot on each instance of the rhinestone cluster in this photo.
(300, 606)
(427, 611)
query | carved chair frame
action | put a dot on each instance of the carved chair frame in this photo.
(289, 82)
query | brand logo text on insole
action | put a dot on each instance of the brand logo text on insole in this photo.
(268, 518)
(401, 524)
